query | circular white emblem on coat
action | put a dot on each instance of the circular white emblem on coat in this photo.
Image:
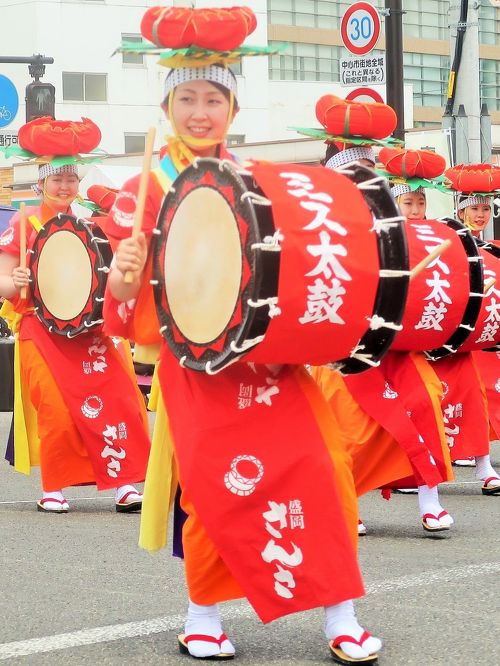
(242, 485)
(123, 210)
(7, 237)
(92, 406)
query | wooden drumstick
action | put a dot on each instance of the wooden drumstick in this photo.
(488, 285)
(143, 189)
(22, 243)
(429, 258)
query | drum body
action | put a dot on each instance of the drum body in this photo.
(444, 300)
(486, 333)
(279, 263)
(69, 262)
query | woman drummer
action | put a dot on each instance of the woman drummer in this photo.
(475, 212)
(55, 371)
(201, 103)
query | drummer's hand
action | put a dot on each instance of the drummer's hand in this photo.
(21, 277)
(131, 254)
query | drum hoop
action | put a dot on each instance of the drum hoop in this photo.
(260, 272)
(99, 250)
(476, 282)
(393, 255)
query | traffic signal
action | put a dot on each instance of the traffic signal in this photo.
(40, 100)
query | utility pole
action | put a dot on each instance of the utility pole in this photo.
(466, 83)
(394, 49)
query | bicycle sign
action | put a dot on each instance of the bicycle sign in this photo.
(9, 101)
(360, 28)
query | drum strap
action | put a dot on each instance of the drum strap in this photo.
(166, 173)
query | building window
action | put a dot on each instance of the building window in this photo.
(489, 24)
(132, 58)
(307, 13)
(428, 75)
(489, 78)
(426, 19)
(84, 87)
(134, 142)
(306, 62)
(235, 139)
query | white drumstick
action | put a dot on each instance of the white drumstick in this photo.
(22, 243)
(429, 258)
(143, 189)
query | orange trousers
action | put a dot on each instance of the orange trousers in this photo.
(63, 456)
(376, 458)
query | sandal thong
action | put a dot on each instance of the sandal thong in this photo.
(438, 528)
(63, 505)
(341, 657)
(184, 640)
(490, 490)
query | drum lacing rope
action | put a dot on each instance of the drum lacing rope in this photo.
(370, 184)
(467, 327)
(246, 344)
(475, 294)
(156, 232)
(153, 283)
(226, 164)
(104, 269)
(272, 302)
(255, 198)
(367, 359)
(270, 243)
(474, 260)
(390, 273)
(377, 322)
(94, 322)
(387, 223)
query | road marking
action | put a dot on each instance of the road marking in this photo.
(117, 632)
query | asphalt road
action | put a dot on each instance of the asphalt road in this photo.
(75, 588)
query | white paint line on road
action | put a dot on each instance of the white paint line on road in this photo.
(70, 499)
(172, 622)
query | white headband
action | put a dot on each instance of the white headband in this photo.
(474, 201)
(351, 155)
(403, 188)
(214, 73)
(48, 170)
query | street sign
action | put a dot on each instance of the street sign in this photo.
(362, 70)
(360, 28)
(9, 101)
(364, 95)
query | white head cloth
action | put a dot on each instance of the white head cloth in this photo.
(214, 73)
(48, 170)
(474, 201)
(351, 155)
(403, 188)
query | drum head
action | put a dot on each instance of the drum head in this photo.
(68, 285)
(203, 267)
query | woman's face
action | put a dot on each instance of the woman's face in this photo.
(476, 217)
(60, 190)
(201, 110)
(412, 205)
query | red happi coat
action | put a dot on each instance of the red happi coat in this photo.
(251, 450)
(107, 442)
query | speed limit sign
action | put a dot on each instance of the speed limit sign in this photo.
(360, 28)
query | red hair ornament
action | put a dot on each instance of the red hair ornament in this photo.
(45, 136)
(474, 177)
(412, 163)
(342, 117)
(221, 29)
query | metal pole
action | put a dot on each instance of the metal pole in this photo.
(394, 50)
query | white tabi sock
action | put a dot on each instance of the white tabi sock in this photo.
(55, 495)
(121, 491)
(484, 470)
(428, 501)
(205, 620)
(340, 620)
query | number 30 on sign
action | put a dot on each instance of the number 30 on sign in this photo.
(360, 28)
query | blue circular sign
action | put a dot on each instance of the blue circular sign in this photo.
(9, 101)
